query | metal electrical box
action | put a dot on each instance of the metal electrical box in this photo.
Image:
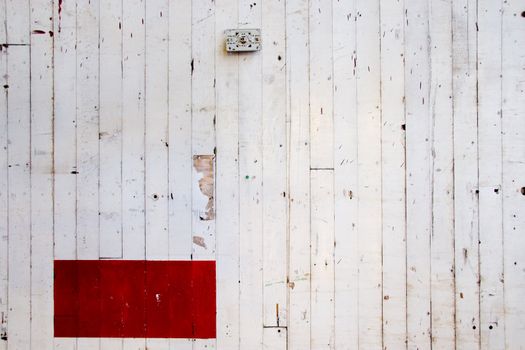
(243, 40)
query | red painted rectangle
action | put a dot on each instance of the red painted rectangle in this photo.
(134, 299)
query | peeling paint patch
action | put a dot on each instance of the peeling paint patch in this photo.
(198, 240)
(204, 168)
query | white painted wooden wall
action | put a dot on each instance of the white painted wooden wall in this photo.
(370, 165)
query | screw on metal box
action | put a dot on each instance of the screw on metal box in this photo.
(243, 40)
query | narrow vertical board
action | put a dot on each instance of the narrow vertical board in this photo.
(465, 174)
(203, 119)
(345, 176)
(110, 133)
(179, 133)
(227, 180)
(87, 80)
(321, 86)
(275, 203)
(418, 178)
(369, 224)
(156, 124)
(19, 197)
(442, 238)
(513, 170)
(156, 171)
(16, 23)
(322, 255)
(3, 29)
(250, 187)
(4, 200)
(65, 108)
(490, 177)
(41, 175)
(394, 170)
(133, 53)
(297, 67)
(65, 160)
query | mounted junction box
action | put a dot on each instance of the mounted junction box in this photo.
(242, 40)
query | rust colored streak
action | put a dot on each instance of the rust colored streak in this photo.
(203, 164)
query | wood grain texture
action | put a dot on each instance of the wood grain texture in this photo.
(358, 182)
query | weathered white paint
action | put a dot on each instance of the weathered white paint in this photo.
(367, 184)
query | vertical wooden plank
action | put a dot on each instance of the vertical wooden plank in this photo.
(465, 174)
(321, 86)
(156, 138)
(65, 160)
(297, 72)
(227, 175)
(275, 202)
(156, 152)
(133, 48)
(110, 133)
(179, 150)
(203, 125)
(19, 200)
(87, 129)
(65, 165)
(345, 175)
(322, 263)
(369, 177)
(442, 237)
(3, 29)
(180, 162)
(250, 192)
(321, 160)
(88, 160)
(490, 168)
(203, 118)
(4, 200)
(17, 25)
(418, 181)
(393, 167)
(513, 168)
(42, 174)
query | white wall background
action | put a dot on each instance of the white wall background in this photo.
(370, 165)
